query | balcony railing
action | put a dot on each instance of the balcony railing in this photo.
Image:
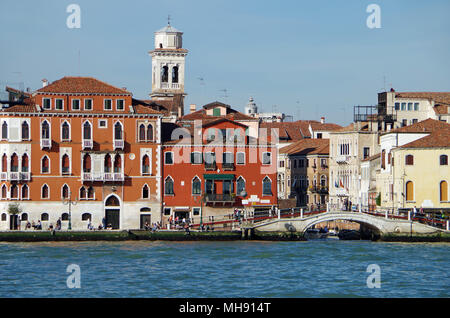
(319, 189)
(210, 166)
(14, 176)
(105, 177)
(24, 176)
(342, 159)
(118, 144)
(88, 143)
(87, 176)
(46, 143)
(175, 85)
(118, 176)
(4, 176)
(223, 197)
(228, 166)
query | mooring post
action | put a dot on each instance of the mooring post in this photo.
(279, 213)
(448, 225)
(328, 207)
(386, 214)
(409, 215)
(301, 213)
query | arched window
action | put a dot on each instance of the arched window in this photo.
(14, 192)
(145, 164)
(168, 186)
(443, 160)
(25, 191)
(175, 74)
(44, 216)
(65, 216)
(45, 164)
(45, 192)
(443, 191)
(196, 186)
(323, 181)
(117, 163)
(3, 216)
(65, 192)
(149, 132)
(4, 191)
(65, 131)
(14, 163)
(118, 131)
(141, 132)
(4, 130)
(112, 201)
(45, 130)
(87, 131)
(409, 160)
(4, 163)
(165, 74)
(87, 163)
(25, 163)
(409, 191)
(90, 193)
(25, 131)
(86, 217)
(24, 217)
(383, 159)
(267, 186)
(145, 192)
(107, 164)
(240, 185)
(82, 193)
(65, 164)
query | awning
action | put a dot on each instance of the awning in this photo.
(218, 176)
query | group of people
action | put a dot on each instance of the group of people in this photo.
(179, 223)
(154, 227)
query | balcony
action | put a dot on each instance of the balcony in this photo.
(14, 176)
(175, 85)
(46, 143)
(87, 144)
(118, 144)
(342, 159)
(4, 176)
(118, 176)
(319, 189)
(220, 198)
(227, 166)
(24, 176)
(210, 166)
(87, 176)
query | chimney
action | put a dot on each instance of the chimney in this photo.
(322, 120)
(192, 108)
(44, 82)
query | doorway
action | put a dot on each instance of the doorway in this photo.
(112, 212)
(146, 219)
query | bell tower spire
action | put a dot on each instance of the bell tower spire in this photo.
(168, 63)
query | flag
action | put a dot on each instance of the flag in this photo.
(341, 185)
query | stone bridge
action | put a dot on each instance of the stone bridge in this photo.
(378, 224)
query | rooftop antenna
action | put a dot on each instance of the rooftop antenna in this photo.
(202, 85)
(298, 110)
(274, 108)
(168, 19)
(225, 94)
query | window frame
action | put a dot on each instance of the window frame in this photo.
(72, 104)
(84, 103)
(56, 103)
(104, 104)
(123, 104)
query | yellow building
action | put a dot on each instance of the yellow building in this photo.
(422, 173)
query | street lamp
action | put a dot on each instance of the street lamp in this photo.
(68, 201)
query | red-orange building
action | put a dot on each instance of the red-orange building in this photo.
(216, 166)
(82, 139)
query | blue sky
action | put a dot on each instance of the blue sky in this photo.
(305, 58)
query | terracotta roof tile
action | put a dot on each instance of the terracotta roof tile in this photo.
(441, 97)
(437, 139)
(428, 125)
(307, 146)
(79, 85)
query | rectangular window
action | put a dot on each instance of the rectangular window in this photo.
(228, 157)
(46, 103)
(75, 104)
(281, 164)
(120, 104)
(319, 135)
(366, 152)
(266, 159)
(167, 211)
(59, 104)
(196, 158)
(403, 106)
(88, 104)
(216, 112)
(107, 104)
(168, 158)
(416, 106)
(410, 106)
(397, 106)
(196, 211)
(415, 120)
(102, 123)
(240, 158)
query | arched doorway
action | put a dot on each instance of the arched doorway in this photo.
(112, 212)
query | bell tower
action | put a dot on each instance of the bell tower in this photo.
(168, 63)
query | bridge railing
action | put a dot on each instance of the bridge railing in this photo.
(438, 222)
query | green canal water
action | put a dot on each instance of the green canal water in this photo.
(225, 269)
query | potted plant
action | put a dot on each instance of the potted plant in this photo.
(14, 209)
